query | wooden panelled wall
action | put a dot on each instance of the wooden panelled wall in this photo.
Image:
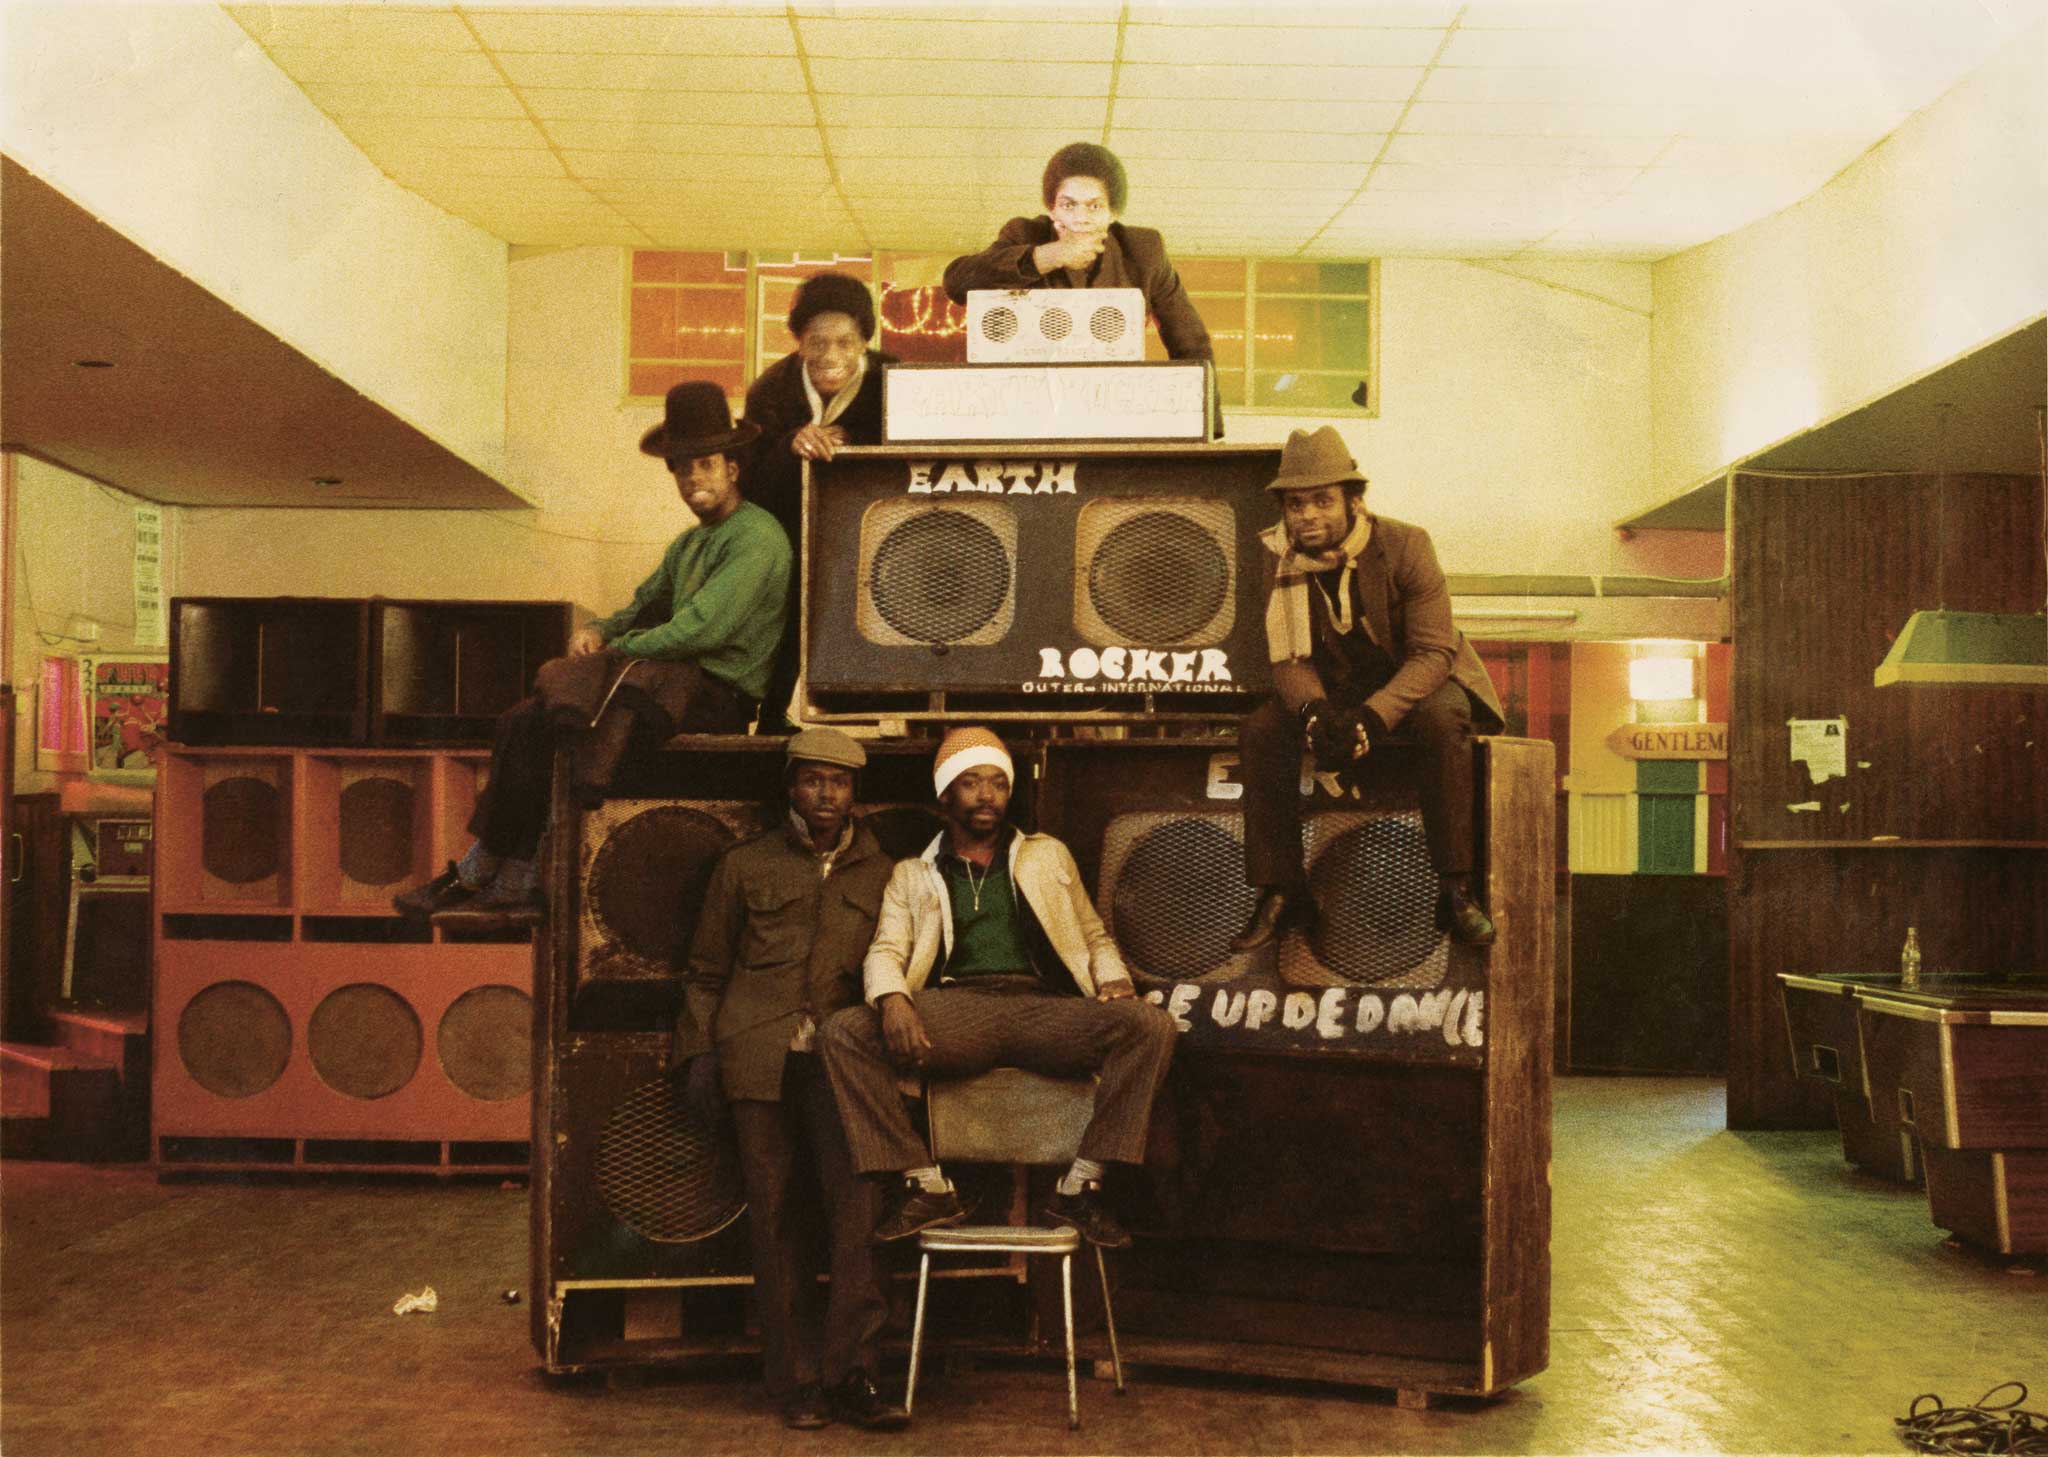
(1826, 571)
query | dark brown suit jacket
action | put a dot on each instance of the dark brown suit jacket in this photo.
(771, 476)
(1404, 607)
(1132, 258)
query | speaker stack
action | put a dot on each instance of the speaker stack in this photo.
(299, 1023)
(639, 1244)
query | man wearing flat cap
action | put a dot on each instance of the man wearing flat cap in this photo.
(785, 922)
(690, 653)
(989, 954)
(1358, 626)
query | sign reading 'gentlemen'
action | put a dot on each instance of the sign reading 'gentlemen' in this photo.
(1670, 741)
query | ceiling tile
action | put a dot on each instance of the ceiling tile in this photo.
(1067, 12)
(774, 108)
(1541, 151)
(1315, 14)
(414, 101)
(424, 162)
(909, 42)
(375, 133)
(1804, 156)
(556, 191)
(1135, 145)
(1081, 115)
(1255, 180)
(914, 142)
(1021, 176)
(1587, 49)
(1025, 78)
(1579, 182)
(1545, 118)
(653, 73)
(633, 33)
(1639, 86)
(1340, 84)
(344, 27)
(1234, 45)
(1258, 116)
(612, 136)
(1544, 14)
(775, 171)
(404, 65)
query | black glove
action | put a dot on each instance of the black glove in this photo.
(703, 1090)
(1332, 732)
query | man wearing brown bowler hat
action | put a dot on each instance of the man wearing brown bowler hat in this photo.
(690, 653)
(1358, 626)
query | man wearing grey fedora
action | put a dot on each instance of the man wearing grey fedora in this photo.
(691, 652)
(786, 920)
(1358, 627)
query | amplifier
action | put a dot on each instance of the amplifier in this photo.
(1071, 582)
(1055, 325)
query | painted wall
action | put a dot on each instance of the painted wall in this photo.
(1515, 426)
(1624, 812)
(74, 553)
(169, 124)
(1930, 245)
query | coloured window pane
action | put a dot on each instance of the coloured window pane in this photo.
(1311, 334)
(1211, 275)
(1308, 393)
(1296, 277)
(655, 379)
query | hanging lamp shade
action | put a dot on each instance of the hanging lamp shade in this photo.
(1988, 649)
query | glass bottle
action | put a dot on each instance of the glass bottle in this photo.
(1909, 961)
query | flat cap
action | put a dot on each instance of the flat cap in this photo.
(827, 746)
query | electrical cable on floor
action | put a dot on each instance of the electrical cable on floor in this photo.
(1988, 1426)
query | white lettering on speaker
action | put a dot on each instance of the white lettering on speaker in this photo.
(1203, 670)
(992, 478)
(1338, 1016)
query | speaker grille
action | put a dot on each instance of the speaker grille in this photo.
(1372, 881)
(234, 1038)
(646, 865)
(238, 836)
(364, 1040)
(485, 1042)
(1173, 892)
(376, 831)
(1107, 324)
(1055, 323)
(937, 575)
(1157, 573)
(662, 1173)
(999, 325)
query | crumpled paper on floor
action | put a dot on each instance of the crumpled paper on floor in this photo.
(426, 1303)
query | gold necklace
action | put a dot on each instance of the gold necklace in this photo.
(974, 885)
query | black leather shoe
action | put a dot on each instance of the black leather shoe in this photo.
(912, 1208)
(443, 893)
(1459, 914)
(1085, 1213)
(1276, 911)
(855, 1401)
(807, 1409)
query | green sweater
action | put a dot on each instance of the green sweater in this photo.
(725, 591)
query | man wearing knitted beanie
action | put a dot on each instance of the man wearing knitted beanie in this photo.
(989, 954)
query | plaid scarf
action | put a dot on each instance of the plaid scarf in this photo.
(1290, 630)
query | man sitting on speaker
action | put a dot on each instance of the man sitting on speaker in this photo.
(1078, 242)
(1358, 625)
(989, 954)
(690, 652)
(808, 404)
(785, 922)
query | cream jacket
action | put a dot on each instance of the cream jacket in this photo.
(915, 931)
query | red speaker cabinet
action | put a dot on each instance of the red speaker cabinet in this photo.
(1036, 582)
(300, 1023)
(1349, 1173)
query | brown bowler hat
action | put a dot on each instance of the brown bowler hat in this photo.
(696, 421)
(1315, 458)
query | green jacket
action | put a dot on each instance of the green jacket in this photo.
(776, 939)
(718, 600)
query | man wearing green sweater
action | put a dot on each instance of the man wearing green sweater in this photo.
(690, 653)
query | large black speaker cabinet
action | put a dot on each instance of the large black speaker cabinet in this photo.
(269, 670)
(1347, 1176)
(1073, 581)
(442, 672)
(638, 1223)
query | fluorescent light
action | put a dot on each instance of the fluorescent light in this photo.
(1659, 680)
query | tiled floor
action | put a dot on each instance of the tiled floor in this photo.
(1714, 1292)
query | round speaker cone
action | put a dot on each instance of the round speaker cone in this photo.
(1377, 893)
(376, 831)
(486, 1043)
(1107, 324)
(234, 1038)
(939, 576)
(999, 325)
(662, 1173)
(1055, 323)
(1158, 578)
(238, 830)
(1179, 898)
(364, 1040)
(647, 880)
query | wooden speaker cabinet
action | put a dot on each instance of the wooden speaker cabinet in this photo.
(638, 1240)
(1349, 1174)
(301, 1024)
(442, 671)
(1020, 581)
(269, 670)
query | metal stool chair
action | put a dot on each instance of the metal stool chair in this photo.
(1011, 1116)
